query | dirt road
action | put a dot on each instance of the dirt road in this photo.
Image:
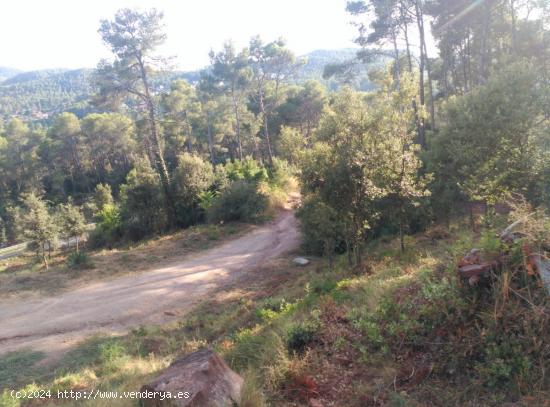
(53, 324)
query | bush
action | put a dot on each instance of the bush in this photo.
(191, 178)
(291, 144)
(321, 229)
(301, 335)
(280, 174)
(248, 169)
(79, 260)
(108, 227)
(206, 199)
(111, 353)
(142, 203)
(102, 196)
(240, 201)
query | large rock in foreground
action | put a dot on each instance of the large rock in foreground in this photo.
(201, 379)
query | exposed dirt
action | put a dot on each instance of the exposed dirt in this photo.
(54, 324)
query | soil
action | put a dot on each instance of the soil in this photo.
(53, 324)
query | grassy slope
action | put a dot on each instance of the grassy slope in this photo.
(400, 332)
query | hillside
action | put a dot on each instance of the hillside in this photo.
(318, 60)
(6, 73)
(39, 95)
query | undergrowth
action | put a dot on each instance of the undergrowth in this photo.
(406, 332)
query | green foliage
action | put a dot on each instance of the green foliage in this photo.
(365, 154)
(12, 224)
(247, 169)
(109, 227)
(38, 225)
(79, 260)
(110, 354)
(291, 144)
(322, 231)
(490, 143)
(301, 335)
(142, 202)
(182, 119)
(302, 111)
(191, 178)
(38, 95)
(240, 201)
(103, 196)
(273, 308)
(72, 223)
(206, 199)
(280, 174)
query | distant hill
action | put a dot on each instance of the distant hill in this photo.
(37, 95)
(6, 73)
(40, 95)
(357, 73)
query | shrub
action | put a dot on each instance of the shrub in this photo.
(110, 354)
(302, 334)
(321, 229)
(291, 144)
(247, 169)
(142, 202)
(240, 201)
(102, 196)
(191, 178)
(71, 222)
(206, 199)
(79, 260)
(108, 227)
(280, 174)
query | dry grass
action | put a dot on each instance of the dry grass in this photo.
(26, 276)
(126, 363)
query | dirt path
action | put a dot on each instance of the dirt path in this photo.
(53, 324)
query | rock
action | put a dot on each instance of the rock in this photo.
(541, 265)
(474, 257)
(473, 266)
(301, 261)
(315, 403)
(472, 270)
(202, 379)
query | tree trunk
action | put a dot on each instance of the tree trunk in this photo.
(430, 88)
(44, 258)
(484, 58)
(238, 124)
(421, 124)
(266, 129)
(397, 73)
(514, 26)
(157, 150)
(189, 132)
(408, 48)
(401, 236)
(210, 140)
(329, 252)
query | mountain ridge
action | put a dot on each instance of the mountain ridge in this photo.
(38, 95)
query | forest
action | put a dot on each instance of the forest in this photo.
(399, 140)
(434, 135)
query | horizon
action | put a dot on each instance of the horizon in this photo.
(65, 69)
(63, 34)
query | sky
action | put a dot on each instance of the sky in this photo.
(39, 34)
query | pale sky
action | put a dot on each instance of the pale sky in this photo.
(37, 34)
